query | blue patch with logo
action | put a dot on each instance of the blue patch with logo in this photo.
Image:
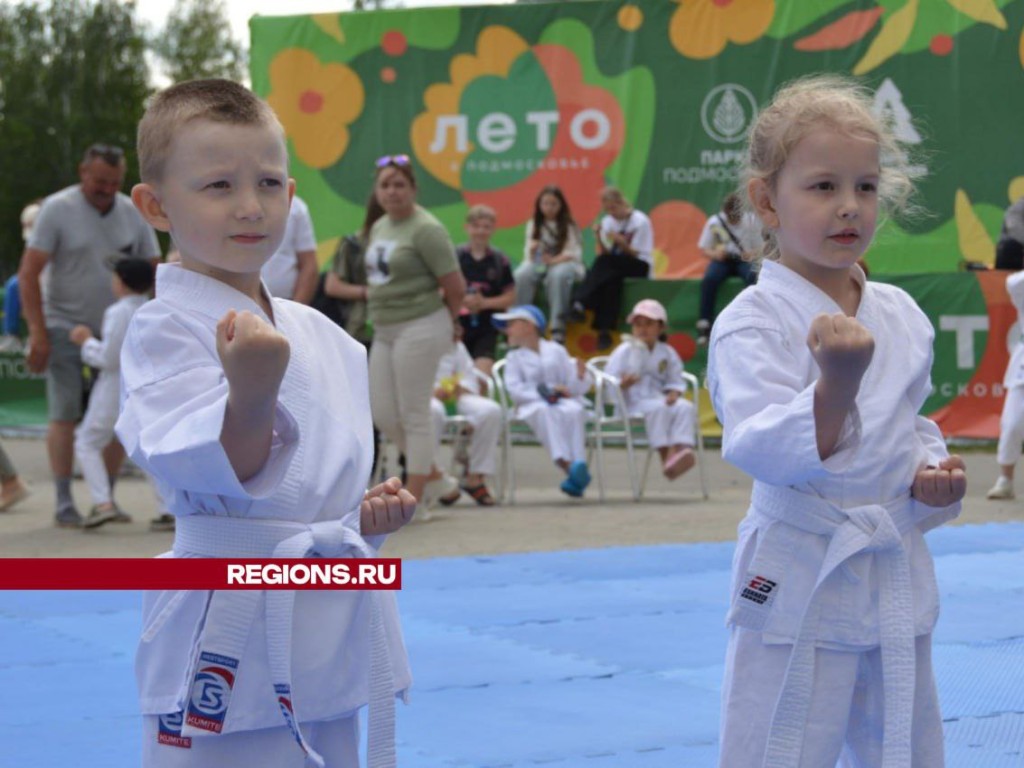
(211, 692)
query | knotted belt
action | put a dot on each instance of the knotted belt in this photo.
(231, 613)
(876, 528)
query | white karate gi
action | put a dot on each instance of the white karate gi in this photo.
(483, 413)
(561, 427)
(660, 371)
(342, 648)
(831, 555)
(97, 427)
(1011, 422)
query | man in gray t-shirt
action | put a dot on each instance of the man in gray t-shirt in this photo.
(78, 233)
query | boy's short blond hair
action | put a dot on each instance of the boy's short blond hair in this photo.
(221, 101)
(481, 212)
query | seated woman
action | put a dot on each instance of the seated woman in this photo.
(553, 255)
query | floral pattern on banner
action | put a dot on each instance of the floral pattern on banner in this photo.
(700, 29)
(316, 103)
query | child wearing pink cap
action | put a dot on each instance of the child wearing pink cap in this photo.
(650, 374)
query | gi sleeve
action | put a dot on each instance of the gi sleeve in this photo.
(173, 412)
(767, 409)
(674, 373)
(520, 388)
(105, 353)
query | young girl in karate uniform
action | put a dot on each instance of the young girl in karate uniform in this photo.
(650, 374)
(817, 377)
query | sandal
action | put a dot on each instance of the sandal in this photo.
(480, 494)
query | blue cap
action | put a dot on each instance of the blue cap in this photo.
(526, 312)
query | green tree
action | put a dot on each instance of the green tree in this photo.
(72, 72)
(197, 42)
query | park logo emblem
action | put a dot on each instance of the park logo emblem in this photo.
(727, 112)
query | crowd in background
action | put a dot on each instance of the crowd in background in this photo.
(398, 285)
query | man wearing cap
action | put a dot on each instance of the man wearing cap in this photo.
(77, 229)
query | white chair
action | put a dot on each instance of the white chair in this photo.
(612, 413)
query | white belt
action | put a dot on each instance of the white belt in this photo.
(231, 613)
(876, 528)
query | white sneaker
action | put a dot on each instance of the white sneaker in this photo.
(438, 490)
(1003, 489)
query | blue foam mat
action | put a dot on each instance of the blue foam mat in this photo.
(589, 659)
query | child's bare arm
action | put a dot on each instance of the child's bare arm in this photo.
(843, 349)
(942, 485)
(254, 356)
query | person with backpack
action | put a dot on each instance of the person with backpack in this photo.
(346, 280)
(730, 239)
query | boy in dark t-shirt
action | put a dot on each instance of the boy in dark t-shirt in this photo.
(490, 287)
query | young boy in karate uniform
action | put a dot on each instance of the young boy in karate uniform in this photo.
(132, 282)
(547, 387)
(252, 413)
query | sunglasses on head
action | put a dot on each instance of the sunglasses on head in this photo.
(105, 151)
(393, 160)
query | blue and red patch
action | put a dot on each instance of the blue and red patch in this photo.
(211, 692)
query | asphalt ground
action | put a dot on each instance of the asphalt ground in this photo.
(542, 519)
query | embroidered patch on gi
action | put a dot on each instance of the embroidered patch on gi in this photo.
(211, 692)
(284, 700)
(759, 590)
(169, 731)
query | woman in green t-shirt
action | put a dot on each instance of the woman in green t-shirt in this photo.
(414, 296)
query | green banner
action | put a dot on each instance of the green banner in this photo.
(974, 321)
(975, 325)
(22, 393)
(654, 96)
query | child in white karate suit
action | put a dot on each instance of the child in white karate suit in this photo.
(1011, 422)
(253, 415)
(817, 377)
(649, 372)
(132, 281)
(456, 369)
(547, 387)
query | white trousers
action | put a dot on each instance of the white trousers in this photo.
(485, 416)
(561, 428)
(844, 728)
(337, 741)
(94, 434)
(403, 365)
(667, 424)
(1011, 427)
